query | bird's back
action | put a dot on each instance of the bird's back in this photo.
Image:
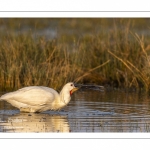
(32, 95)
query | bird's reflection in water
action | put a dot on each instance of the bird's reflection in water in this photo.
(31, 122)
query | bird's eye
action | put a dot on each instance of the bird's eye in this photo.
(71, 84)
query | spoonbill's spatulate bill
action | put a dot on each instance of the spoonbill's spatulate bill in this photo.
(40, 98)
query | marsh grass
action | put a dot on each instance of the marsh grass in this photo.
(118, 57)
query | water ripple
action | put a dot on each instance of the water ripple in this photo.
(87, 112)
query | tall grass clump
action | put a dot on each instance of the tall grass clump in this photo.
(117, 57)
(127, 54)
(25, 62)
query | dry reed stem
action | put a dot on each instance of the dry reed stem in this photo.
(85, 74)
(141, 74)
(142, 46)
(120, 60)
(125, 63)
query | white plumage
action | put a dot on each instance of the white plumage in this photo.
(39, 98)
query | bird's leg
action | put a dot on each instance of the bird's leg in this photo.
(59, 110)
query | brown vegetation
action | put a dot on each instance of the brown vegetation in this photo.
(117, 57)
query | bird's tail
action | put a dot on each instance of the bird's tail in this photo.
(1, 98)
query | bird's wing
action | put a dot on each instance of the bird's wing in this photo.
(32, 95)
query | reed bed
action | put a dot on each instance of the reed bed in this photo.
(118, 57)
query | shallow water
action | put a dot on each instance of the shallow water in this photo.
(88, 111)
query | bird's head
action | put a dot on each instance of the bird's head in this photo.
(70, 87)
(67, 91)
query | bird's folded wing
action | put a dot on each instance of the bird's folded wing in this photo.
(32, 96)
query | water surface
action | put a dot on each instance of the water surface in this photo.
(88, 111)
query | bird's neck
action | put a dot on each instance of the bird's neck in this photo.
(62, 100)
(65, 96)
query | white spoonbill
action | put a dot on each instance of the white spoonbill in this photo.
(40, 98)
